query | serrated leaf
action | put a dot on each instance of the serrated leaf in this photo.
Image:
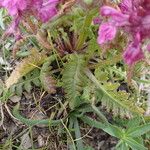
(19, 89)
(28, 64)
(117, 102)
(86, 93)
(92, 47)
(25, 83)
(36, 81)
(27, 86)
(101, 75)
(113, 86)
(48, 82)
(74, 79)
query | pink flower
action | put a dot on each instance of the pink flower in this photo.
(133, 52)
(48, 10)
(133, 17)
(106, 33)
(40, 9)
(44, 9)
(14, 6)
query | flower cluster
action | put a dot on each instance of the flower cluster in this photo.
(18, 9)
(133, 17)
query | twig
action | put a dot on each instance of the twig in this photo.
(9, 112)
(147, 113)
(2, 114)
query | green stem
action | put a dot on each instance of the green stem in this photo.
(30, 122)
(79, 141)
(101, 116)
(92, 122)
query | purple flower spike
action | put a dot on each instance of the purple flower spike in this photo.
(126, 6)
(45, 9)
(133, 17)
(18, 9)
(14, 6)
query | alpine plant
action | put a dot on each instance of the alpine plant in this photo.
(133, 17)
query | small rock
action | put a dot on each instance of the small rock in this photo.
(41, 142)
(25, 141)
(15, 99)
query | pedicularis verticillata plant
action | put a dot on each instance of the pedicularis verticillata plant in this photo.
(66, 41)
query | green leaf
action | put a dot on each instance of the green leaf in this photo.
(36, 81)
(92, 47)
(70, 143)
(74, 80)
(110, 129)
(134, 144)
(83, 32)
(134, 121)
(92, 122)
(122, 145)
(114, 131)
(25, 83)
(27, 86)
(19, 89)
(100, 114)
(47, 80)
(101, 75)
(116, 101)
(78, 135)
(30, 122)
(86, 96)
(138, 131)
(27, 65)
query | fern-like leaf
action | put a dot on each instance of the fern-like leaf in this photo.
(28, 64)
(117, 102)
(74, 79)
(48, 82)
(26, 82)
